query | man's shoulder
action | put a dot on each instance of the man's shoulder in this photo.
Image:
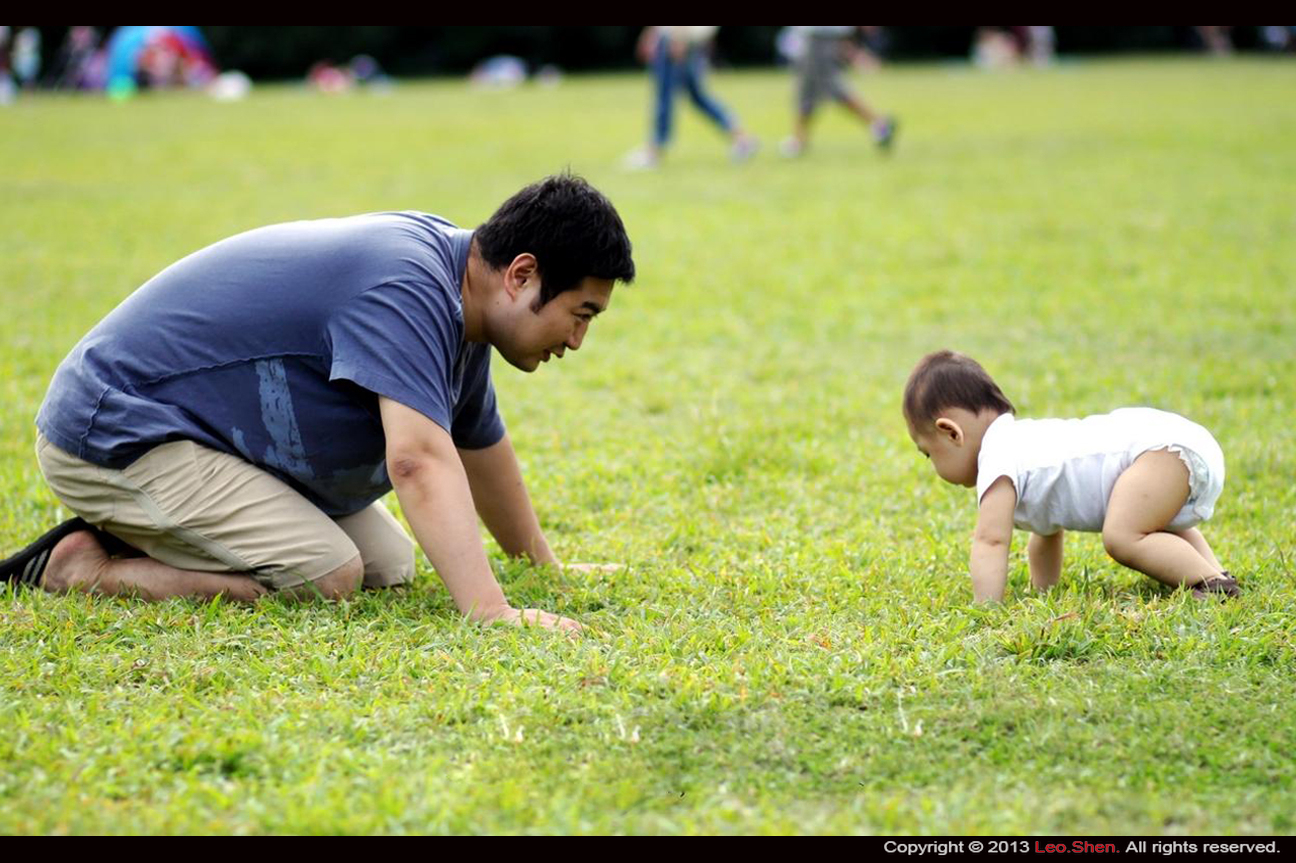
(415, 245)
(390, 230)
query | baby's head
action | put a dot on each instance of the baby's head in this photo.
(949, 403)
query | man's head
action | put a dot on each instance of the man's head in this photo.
(949, 402)
(555, 248)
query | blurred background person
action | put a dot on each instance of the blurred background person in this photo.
(819, 56)
(1008, 47)
(1279, 38)
(7, 88)
(996, 48)
(157, 57)
(677, 57)
(1041, 45)
(74, 65)
(1217, 38)
(27, 57)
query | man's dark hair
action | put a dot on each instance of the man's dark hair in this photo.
(944, 380)
(571, 228)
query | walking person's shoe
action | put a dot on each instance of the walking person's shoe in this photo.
(884, 132)
(744, 148)
(791, 148)
(641, 159)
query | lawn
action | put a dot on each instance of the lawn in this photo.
(792, 646)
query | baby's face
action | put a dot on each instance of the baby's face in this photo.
(945, 443)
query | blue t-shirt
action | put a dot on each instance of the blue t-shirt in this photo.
(275, 344)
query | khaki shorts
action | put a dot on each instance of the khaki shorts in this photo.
(197, 509)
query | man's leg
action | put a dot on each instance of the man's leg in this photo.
(385, 548)
(661, 70)
(207, 523)
(665, 74)
(79, 563)
(882, 127)
(693, 69)
(807, 97)
(692, 72)
(857, 106)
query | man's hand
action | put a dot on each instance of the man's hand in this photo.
(435, 496)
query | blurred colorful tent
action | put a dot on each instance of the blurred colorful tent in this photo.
(158, 57)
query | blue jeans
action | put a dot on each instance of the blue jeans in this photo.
(669, 75)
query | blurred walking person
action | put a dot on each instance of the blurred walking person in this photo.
(820, 55)
(677, 58)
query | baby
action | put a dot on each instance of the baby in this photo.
(1144, 478)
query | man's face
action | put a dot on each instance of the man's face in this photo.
(532, 334)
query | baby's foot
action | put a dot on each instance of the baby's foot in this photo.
(1222, 585)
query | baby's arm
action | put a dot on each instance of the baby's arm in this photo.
(991, 540)
(1045, 555)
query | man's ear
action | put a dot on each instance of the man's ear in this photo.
(519, 273)
(950, 429)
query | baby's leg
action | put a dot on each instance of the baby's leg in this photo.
(1143, 502)
(1196, 540)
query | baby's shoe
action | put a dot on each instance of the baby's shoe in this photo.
(1223, 584)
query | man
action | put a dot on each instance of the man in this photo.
(238, 417)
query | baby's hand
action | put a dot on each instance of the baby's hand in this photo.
(593, 567)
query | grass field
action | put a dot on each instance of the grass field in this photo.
(792, 647)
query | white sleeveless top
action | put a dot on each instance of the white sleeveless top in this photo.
(1064, 469)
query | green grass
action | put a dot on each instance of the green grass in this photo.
(792, 647)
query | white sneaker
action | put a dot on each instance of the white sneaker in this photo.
(744, 148)
(790, 148)
(640, 159)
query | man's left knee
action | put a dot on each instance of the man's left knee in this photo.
(390, 569)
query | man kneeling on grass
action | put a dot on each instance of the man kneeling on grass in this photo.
(239, 416)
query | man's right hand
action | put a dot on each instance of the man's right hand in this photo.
(434, 493)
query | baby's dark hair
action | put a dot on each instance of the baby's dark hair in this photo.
(944, 380)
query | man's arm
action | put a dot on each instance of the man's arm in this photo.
(1045, 555)
(991, 540)
(503, 503)
(501, 498)
(433, 489)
